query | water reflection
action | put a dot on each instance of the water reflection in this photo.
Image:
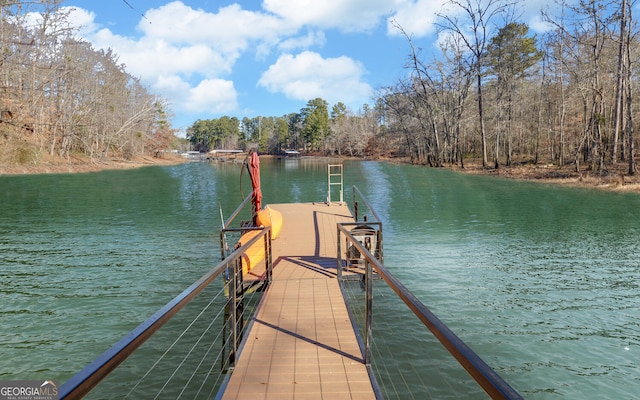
(528, 274)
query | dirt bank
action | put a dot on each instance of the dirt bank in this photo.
(615, 178)
(79, 164)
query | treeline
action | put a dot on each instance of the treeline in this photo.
(59, 96)
(316, 128)
(494, 92)
(497, 93)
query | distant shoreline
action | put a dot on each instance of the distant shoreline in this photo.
(616, 179)
(85, 165)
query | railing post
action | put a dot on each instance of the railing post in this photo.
(368, 282)
(380, 246)
(223, 243)
(268, 256)
(236, 305)
(355, 209)
(232, 314)
(339, 256)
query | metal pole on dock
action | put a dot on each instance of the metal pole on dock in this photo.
(368, 282)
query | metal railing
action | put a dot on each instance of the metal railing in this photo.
(231, 266)
(363, 247)
(482, 373)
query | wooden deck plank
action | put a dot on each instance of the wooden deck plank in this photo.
(302, 344)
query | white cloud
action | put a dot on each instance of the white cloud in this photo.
(83, 19)
(308, 75)
(189, 55)
(346, 15)
(229, 30)
(183, 53)
(209, 96)
(538, 24)
(213, 96)
(417, 18)
(153, 58)
(172, 85)
(312, 39)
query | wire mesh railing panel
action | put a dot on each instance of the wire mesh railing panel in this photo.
(185, 348)
(407, 360)
(188, 358)
(411, 352)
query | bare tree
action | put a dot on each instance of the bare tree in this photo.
(556, 54)
(60, 96)
(473, 26)
(629, 86)
(617, 118)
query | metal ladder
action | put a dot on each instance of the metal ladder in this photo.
(334, 175)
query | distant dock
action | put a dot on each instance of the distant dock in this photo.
(215, 155)
(225, 155)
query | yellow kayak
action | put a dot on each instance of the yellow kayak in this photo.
(255, 254)
(270, 217)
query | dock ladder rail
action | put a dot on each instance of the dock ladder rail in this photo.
(334, 177)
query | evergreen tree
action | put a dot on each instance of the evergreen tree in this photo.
(315, 122)
(510, 54)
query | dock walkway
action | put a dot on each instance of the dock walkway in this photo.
(302, 343)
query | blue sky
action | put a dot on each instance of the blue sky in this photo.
(262, 58)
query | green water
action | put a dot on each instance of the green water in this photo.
(543, 282)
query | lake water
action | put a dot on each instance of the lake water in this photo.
(542, 282)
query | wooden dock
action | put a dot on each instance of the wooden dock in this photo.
(302, 343)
